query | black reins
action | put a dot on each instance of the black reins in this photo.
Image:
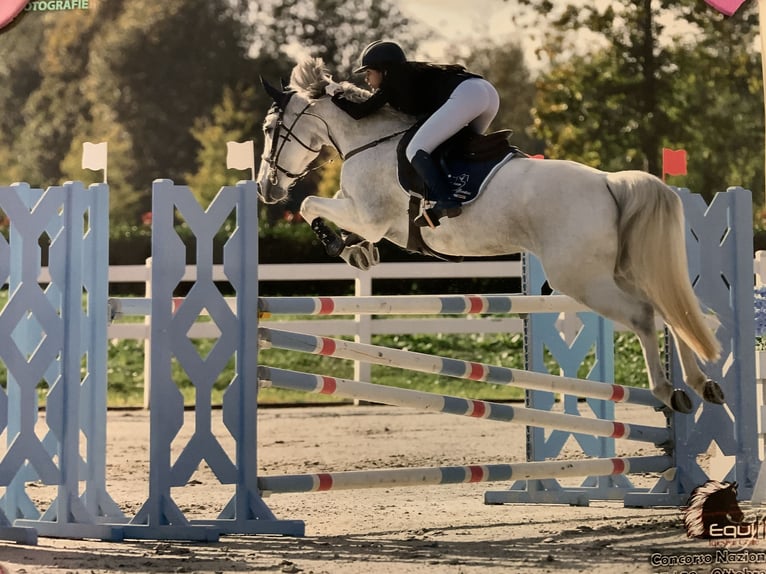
(372, 144)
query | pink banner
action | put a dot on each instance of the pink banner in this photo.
(9, 9)
(728, 7)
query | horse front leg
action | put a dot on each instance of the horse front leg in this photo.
(354, 247)
(343, 212)
(330, 240)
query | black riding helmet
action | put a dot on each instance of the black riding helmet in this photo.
(379, 55)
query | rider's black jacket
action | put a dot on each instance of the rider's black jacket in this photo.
(415, 88)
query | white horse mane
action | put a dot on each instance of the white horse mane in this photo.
(310, 77)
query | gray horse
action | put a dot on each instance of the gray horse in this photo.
(615, 242)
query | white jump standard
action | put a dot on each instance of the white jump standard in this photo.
(721, 266)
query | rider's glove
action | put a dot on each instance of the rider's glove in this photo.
(333, 88)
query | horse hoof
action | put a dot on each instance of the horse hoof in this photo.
(360, 262)
(680, 402)
(713, 393)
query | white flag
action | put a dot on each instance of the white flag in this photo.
(240, 155)
(94, 156)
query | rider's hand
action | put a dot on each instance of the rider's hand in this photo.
(333, 88)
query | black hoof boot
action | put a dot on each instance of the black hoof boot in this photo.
(331, 241)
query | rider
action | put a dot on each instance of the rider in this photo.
(447, 97)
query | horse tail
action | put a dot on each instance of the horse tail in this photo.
(652, 256)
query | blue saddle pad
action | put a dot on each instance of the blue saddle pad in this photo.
(467, 177)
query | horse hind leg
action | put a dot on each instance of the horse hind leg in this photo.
(693, 375)
(605, 297)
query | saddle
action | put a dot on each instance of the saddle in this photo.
(469, 160)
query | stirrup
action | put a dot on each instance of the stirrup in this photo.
(430, 217)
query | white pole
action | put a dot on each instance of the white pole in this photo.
(762, 26)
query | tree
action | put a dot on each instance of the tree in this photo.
(334, 30)
(159, 68)
(137, 74)
(20, 75)
(638, 85)
(234, 119)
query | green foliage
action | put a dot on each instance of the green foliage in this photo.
(334, 30)
(652, 75)
(139, 83)
(233, 119)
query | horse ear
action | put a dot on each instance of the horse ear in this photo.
(277, 95)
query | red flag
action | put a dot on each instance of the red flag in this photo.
(673, 162)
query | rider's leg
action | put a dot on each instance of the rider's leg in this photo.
(437, 187)
(481, 122)
(474, 102)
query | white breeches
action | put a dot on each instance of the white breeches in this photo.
(473, 103)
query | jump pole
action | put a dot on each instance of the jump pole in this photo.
(420, 305)
(480, 372)
(382, 305)
(311, 383)
(401, 477)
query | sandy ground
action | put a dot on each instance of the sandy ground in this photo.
(435, 529)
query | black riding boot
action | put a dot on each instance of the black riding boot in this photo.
(438, 189)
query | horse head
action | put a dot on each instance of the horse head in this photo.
(713, 503)
(723, 502)
(292, 139)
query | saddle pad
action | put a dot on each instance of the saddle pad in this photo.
(467, 176)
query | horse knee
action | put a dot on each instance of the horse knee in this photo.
(308, 210)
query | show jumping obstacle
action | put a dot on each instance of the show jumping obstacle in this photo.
(47, 333)
(451, 367)
(283, 379)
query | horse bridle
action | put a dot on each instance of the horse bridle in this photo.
(279, 140)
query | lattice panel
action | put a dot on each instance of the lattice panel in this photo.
(44, 337)
(723, 281)
(544, 338)
(160, 517)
